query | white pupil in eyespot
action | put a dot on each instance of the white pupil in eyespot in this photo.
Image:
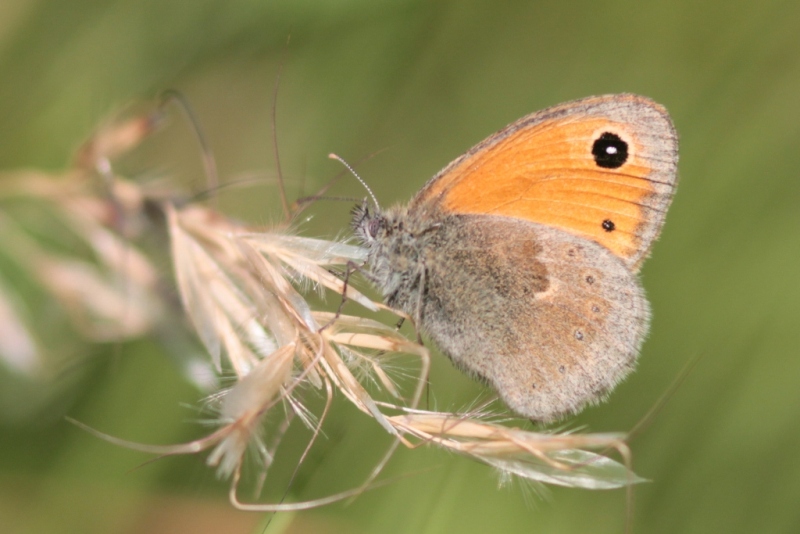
(611, 150)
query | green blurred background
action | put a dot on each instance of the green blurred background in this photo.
(421, 82)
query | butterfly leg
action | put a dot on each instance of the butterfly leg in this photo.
(351, 268)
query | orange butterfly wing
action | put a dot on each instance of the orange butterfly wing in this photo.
(602, 167)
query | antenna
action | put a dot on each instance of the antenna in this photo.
(349, 168)
(209, 163)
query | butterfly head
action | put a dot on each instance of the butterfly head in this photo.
(368, 223)
(394, 250)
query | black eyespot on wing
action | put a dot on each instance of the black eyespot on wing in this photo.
(608, 225)
(610, 151)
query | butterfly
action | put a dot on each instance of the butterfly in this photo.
(520, 258)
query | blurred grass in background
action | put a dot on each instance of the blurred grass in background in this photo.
(423, 81)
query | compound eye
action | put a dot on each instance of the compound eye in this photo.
(373, 226)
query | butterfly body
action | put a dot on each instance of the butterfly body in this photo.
(520, 259)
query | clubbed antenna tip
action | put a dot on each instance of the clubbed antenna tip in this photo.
(354, 173)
